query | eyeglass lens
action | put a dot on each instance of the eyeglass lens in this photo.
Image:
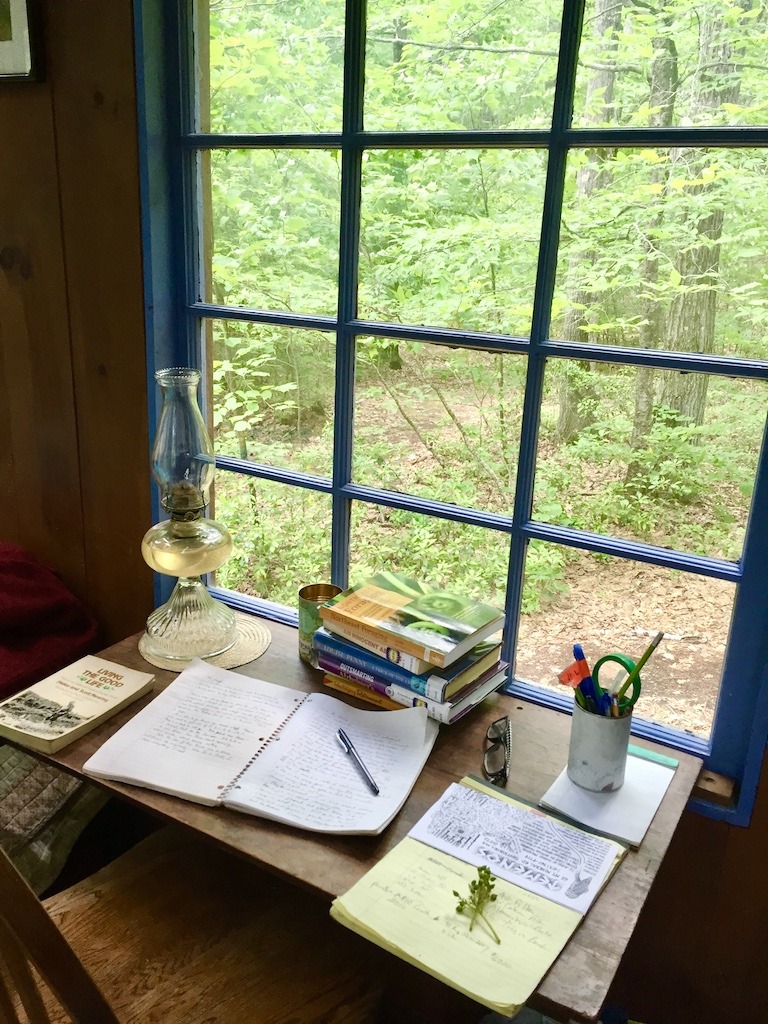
(496, 757)
(498, 730)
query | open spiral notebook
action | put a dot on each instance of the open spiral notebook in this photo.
(219, 737)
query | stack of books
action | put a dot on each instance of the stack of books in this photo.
(396, 642)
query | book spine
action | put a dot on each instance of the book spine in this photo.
(354, 689)
(344, 668)
(409, 699)
(356, 658)
(382, 649)
(331, 615)
(401, 697)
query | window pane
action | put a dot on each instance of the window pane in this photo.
(272, 67)
(274, 229)
(474, 65)
(281, 537)
(682, 62)
(450, 239)
(439, 422)
(663, 249)
(651, 455)
(451, 556)
(610, 605)
(273, 394)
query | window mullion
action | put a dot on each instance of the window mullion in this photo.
(349, 237)
(747, 649)
(562, 114)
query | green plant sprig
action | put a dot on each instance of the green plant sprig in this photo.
(480, 894)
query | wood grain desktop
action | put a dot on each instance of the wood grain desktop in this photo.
(326, 866)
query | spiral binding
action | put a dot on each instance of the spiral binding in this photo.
(234, 784)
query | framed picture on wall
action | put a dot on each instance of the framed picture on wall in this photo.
(19, 28)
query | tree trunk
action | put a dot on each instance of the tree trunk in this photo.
(691, 319)
(663, 92)
(574, 412)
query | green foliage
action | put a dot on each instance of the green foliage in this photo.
(659, 248)
(281, 537)
(480, 895)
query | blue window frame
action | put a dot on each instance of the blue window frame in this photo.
(169, 150)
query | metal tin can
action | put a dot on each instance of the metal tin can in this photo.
(597, 755)
(310, 599)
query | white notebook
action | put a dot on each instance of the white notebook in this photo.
(219, 737)
(624, 814)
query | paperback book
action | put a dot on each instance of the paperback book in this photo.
(69, 703)
(447, 712)
(439, 684)
(413, 617)
(366, 638)
(353, 689)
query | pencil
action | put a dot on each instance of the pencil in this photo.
(636, 670)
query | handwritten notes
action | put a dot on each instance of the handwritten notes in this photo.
(306, 778)
(215, 736)
(406, 905)
(547, 874)
(195, 735)
(519, 843)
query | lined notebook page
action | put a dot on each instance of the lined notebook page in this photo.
(196, 735)
(406, 905)
(304, 777)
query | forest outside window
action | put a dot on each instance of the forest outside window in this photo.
(479, 292)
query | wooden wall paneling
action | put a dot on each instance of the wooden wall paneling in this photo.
(665, 973)
(39, 421)
(9, 508)
(698, 953)
(94, 103)
(737, 936)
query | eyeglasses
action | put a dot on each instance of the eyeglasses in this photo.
(497, 748)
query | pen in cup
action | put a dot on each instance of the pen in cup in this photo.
(350, 749)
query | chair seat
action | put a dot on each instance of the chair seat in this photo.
(178, 931)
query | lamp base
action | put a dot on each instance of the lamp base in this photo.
(191, 624)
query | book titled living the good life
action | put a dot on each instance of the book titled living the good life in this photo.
(413, 617)
(69, 703)
(219, 737)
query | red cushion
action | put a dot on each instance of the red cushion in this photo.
(42, 625)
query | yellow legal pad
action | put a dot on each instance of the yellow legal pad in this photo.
(405, 904)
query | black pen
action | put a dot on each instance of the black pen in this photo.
(349, 747)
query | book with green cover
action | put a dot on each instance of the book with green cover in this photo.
(414, 617)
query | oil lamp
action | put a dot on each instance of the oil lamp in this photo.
(191, 624)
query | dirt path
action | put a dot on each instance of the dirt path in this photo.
(620, 606)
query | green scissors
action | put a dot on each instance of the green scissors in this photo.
(629, 690)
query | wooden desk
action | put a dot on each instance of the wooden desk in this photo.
(577, 984)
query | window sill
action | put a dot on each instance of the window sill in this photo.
(715, 789)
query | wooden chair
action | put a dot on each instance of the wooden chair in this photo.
(178, 931)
